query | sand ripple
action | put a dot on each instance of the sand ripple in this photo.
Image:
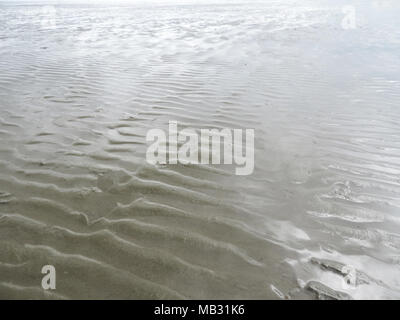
(77, 99)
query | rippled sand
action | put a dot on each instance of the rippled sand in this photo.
(77, 98)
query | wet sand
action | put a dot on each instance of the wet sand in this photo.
(78, 96)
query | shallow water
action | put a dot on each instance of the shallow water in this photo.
(79, 91)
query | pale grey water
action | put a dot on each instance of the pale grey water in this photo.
(80, 89)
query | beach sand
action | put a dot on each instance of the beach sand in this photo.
(80, 86)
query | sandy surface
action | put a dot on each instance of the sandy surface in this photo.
(79, 91)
